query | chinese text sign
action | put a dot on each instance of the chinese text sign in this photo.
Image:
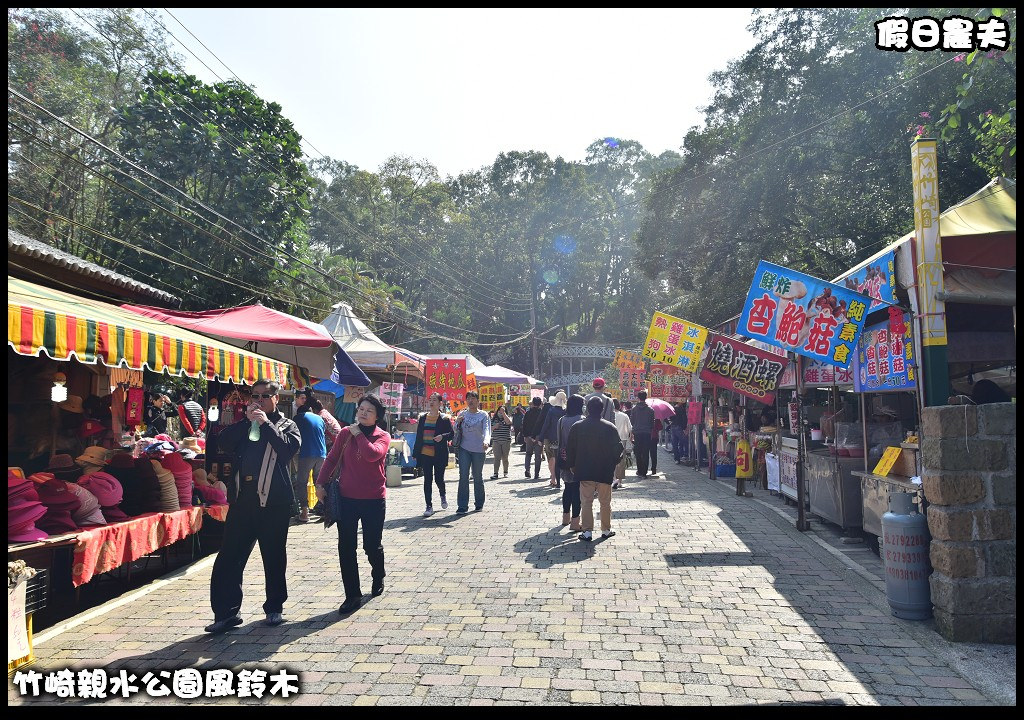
(674, 342)
(885, 356)
(738, 366)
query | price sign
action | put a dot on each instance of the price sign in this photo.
(887, 461)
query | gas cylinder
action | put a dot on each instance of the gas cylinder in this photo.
(905, 545)
(744, 462)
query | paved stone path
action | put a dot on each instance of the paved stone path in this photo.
(702, 598)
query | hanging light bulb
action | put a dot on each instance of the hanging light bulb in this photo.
(59, 393)
(214, 414)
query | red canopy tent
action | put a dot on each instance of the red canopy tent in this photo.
(276, 334)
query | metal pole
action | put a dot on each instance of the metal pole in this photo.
(711, 432)
(801, 520)
(864, 428)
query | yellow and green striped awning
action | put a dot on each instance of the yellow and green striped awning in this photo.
(65, 326)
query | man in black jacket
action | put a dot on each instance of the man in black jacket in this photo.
(261, 507)
(593, 451)
(531, 428)
(643, 418)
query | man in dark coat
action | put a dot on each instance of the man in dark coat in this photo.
(263, 444)
(530, 428)
(593, 451)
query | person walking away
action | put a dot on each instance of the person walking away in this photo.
(643, 418)
(517, 424)
(263, 445)
(501, 439)
(593, 451)
(608, 413)
(549, 435)
(571, 493)
(476, 438)
(533, 448)
(433, 431)
(331, 425)
(311, 454)
(361, 453)
(678, 430)
(625, 430)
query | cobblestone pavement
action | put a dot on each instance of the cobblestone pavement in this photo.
(702, 598)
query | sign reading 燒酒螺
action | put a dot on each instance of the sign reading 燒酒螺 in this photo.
(801, 313)
(885, 356)
(741, 367)
(447, 377)
(675, 342)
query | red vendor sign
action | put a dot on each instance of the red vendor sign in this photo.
(741, 367)
(447, 377)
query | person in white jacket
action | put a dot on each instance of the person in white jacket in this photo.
(625, 428)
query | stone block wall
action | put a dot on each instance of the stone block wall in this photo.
(969, 459)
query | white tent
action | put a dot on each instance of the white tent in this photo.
(367, 350)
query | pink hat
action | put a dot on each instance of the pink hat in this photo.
(599, 382)
(212, 495)
(21, 522)
(105, 487)
(163, 436)
(88, 513)
(176, 463)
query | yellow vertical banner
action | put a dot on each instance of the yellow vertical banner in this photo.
(927, 243)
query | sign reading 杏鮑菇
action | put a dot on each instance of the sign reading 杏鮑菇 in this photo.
(673, 341)
(741, 367)
(804, 314)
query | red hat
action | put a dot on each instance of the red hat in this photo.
(176, 463)
(61, 462)
(599, 382)
(90, 427)
(105, 487)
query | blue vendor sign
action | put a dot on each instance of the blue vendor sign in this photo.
(801, 313)
(885, 356)
(876, 279)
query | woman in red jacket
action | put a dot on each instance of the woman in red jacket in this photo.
(361, 450)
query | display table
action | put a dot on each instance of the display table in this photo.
(834, 491)
(875, 491)
(217, 512)
(102, 549)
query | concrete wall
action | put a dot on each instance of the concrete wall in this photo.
(969, 459)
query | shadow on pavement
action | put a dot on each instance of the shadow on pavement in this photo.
(554, 548)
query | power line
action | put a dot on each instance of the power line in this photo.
(215, 212)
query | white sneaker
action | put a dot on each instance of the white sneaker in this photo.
(587, 536)
(428, 512)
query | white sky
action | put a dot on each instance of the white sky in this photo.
(456, 87)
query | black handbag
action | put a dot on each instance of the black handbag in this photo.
(457, 438)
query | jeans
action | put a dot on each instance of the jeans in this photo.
(371, 513)
(604, 495)
(679, 449)
(433, 472)
(534, 447)
(474, 460)
(501, 449)
(306, 464)
(571, 498)
(247, 524)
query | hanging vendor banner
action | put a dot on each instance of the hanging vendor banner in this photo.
(876, 280)
(885, 356)
(694, 411)
(520, 400)
(628, 360)
(391, 395)
(741, 367)
(670, 383)
(536, 392)
(673, 341)
(818, 373)
(801, 313)
(631, 382)
(447, 377)
(492, 396)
